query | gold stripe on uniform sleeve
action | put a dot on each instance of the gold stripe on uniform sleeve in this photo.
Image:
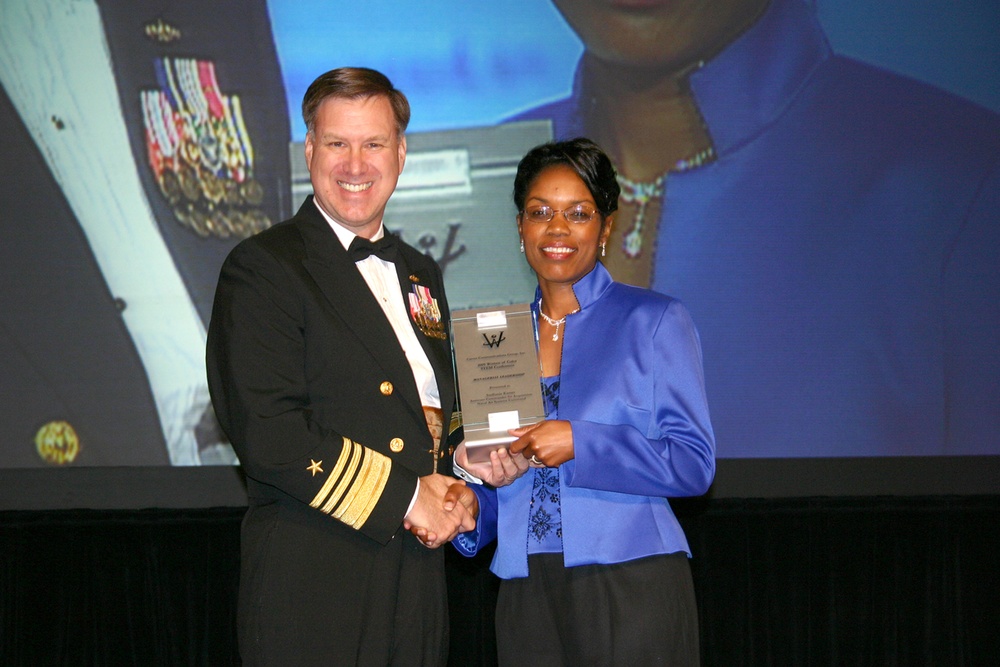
(334, 475)
(346, 477)
(354, 485)
(371, 482)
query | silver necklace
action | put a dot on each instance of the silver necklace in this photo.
(636, 192)
(556, 323)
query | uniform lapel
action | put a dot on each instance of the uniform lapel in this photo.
(416, 271)
(348, 295)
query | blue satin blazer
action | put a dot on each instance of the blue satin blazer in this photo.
(633, 390)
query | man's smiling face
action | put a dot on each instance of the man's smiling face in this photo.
(355, 155)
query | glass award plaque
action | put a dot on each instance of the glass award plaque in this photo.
(496, 364)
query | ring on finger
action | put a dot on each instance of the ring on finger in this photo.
(534, 459)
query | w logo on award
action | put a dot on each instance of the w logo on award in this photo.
(494, 340)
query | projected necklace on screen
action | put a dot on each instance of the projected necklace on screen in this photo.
(641, 193)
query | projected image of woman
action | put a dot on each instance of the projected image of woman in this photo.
(833, 227)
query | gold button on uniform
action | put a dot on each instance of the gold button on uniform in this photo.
(385, 388)
(396, 445)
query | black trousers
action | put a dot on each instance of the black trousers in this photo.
(315, 594)
(640, 612)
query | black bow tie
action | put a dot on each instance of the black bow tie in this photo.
(384, 248)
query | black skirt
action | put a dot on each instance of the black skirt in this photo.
(640, 612)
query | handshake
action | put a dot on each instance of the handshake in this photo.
(444, 507)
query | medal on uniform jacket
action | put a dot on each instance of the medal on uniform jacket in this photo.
(426, 313)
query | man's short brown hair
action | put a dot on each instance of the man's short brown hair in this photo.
(354, 83)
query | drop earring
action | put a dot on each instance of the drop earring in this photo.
(522, 246)
(603, 253)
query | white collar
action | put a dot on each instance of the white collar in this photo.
(343, 233)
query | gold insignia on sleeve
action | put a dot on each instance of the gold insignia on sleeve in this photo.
(386, 388)
(396, 445)
(314, 467)
(343, 465)
(57, 443)
(347, 467)
(371, 482)
(354, 485)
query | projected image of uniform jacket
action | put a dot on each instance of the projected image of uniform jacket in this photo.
(96, 369)
(841, 255)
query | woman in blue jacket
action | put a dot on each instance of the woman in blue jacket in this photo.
(593, 561)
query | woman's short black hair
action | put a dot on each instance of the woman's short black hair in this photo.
(581, 155)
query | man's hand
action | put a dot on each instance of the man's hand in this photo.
(441, 511)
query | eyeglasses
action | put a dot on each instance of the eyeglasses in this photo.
(580, 214)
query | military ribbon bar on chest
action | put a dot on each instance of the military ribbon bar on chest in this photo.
(426, 313)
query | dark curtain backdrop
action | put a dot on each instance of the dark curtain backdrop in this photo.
(821, 581)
